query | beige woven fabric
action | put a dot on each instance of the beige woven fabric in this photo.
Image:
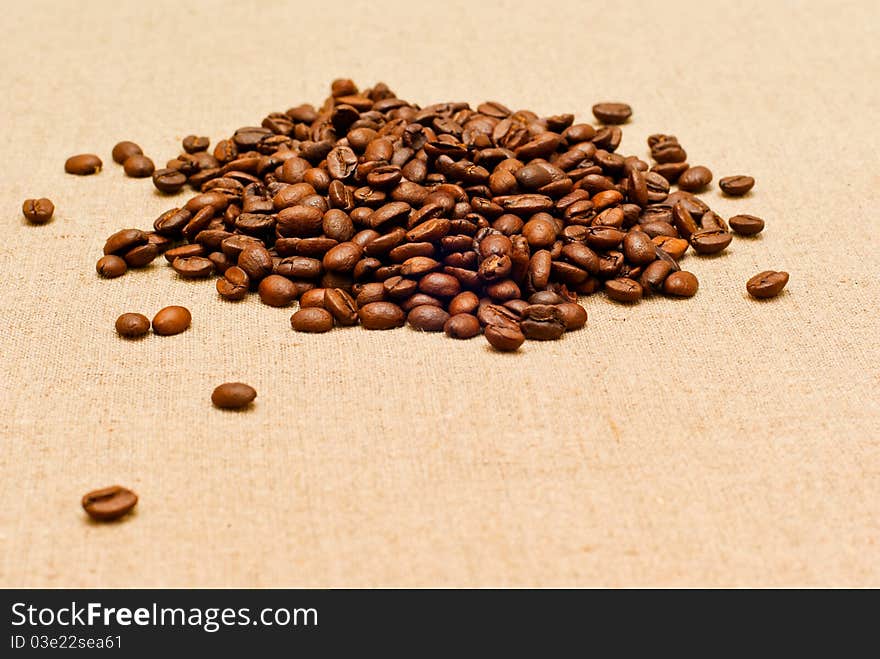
(716, 441)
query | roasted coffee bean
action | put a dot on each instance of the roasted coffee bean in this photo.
(638, 248)
(83, 165)
(138, 166)
(681, 284)
(427, 318)
(256, 261)
(109, 503)
(574, 316)
(623, 290)
(654, 275)
(542, 322)
(440, 284)
(314, 320)
(194, 144)
(132, 325)
(462, 326)
(343, 257)
(38, 211)
(767, 284)
(168, 180)
(381, 316)
(233, 395)
(746, 225)
(234, 284)
(171, 320)
(277, 291)
(736, 186)
(612, 113)
(193, 267)
(111, 266)
(694, 179)
(504, 338)
(124, 150)
(710, 241)
(341, 306)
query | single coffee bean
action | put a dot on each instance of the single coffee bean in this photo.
(736, 186)
(681, 284)
(710, 241)
(168, 180)
(234, 284)
(194, 144)
(694, 179)
(171, 320)
(193, 267)
(504, 338)
(746, 225)
(612, 113)
(38, 211)
(638, 248)
(542, 322)
(767, 284)
(109, 503)
(138, 166)
(427, 318)
(111, 266)
(623, 289)
(341, 306)
(381, 316)
(465, 302)
(654, 275)
(124, 150)
(573, 315)
(132, 325)
(233, 395)
(277, 291)
(312, 319)
(462, 326)
(83, 164)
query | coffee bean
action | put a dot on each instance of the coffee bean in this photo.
(710, 241)
(767, 284)
(654, 275)
(132, 325)
(312, 319)
(681, 284)
(277, 291)
(171, 320)
(638, 248)
(194, 144)
(193, 267)
(462, 326)
(111, 266)
(83, 164)
(233, 395)
(234, 284)
(542, 322)
(109, 503)
(381, 316)
(168, 181)
(341, 306)
(623, 290)
(574, 316)
(138, 166)
(427, 318)
(124, 150)
(38, 211)
(746, 225)
(694, 179)
(736, 186)
(504, 338)
(256, 261)
(612, 113)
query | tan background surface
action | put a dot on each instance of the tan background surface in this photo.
(718, 441)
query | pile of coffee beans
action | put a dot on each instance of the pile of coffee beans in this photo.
(375, 211)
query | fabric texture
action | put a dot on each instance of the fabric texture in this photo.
(717, 441)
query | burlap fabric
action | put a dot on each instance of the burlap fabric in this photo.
(716, 441)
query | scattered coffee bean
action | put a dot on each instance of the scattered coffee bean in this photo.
(194, 144)
(746, 225)
(234, 284)
(132, 325)
(169, 181)
(381, 316)
(138, 166)
(681, 284)
(767, 284)
(694, 179)
(171, 320)
(277, 291)
(125, 150)
(109, 503)
(612, 113)
(736, 186)
(462, 326)
(83, 164)
(504, 338)
(111, 266)
(233, 395)
(623, 290)
(312, 319)
(38, 211)
(427, 318)
(574, 316)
